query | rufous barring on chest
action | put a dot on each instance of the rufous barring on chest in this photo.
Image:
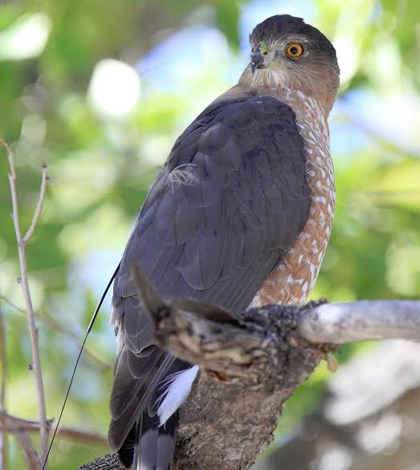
(294, 277)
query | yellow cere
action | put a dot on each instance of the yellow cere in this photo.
(263, 48)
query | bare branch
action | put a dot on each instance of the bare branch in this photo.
(39, 205)
(80, 435)
(28, 450)
(250, 364)
(19, 427)
(364, 320)
(9, 156)
(11, 423)
(33, 330)
(14, 423)
(203, 334)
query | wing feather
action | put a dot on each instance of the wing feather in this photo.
(214, 235)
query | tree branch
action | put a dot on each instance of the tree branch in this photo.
(363, 320)
(28, 449)
(12, 423)
(40, 203)
(33, 330)
(368, 415)
(16, 426)
(250, 364)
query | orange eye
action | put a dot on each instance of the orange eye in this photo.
(294, 50)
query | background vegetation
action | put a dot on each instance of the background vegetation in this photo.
(101, 89)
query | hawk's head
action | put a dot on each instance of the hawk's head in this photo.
(287, 52)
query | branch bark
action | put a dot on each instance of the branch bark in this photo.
(367, 419)
(251, 363)
(33, 330)
(364, 320)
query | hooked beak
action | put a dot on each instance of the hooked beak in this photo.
(257, 61)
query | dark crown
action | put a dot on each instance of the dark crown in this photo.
(279, 26)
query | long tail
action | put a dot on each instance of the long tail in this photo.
(150, 446)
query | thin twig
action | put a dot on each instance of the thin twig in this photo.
(33, 330)
(28, 450)
(39, 205)
(3, 385)
(11, 423)
(8, 423)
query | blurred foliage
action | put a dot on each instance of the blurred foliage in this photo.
(102, 164)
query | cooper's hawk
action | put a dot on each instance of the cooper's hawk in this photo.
(240, 215)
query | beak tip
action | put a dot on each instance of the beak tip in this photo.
(257, 61)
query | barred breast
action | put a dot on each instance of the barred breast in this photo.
(295, 275)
